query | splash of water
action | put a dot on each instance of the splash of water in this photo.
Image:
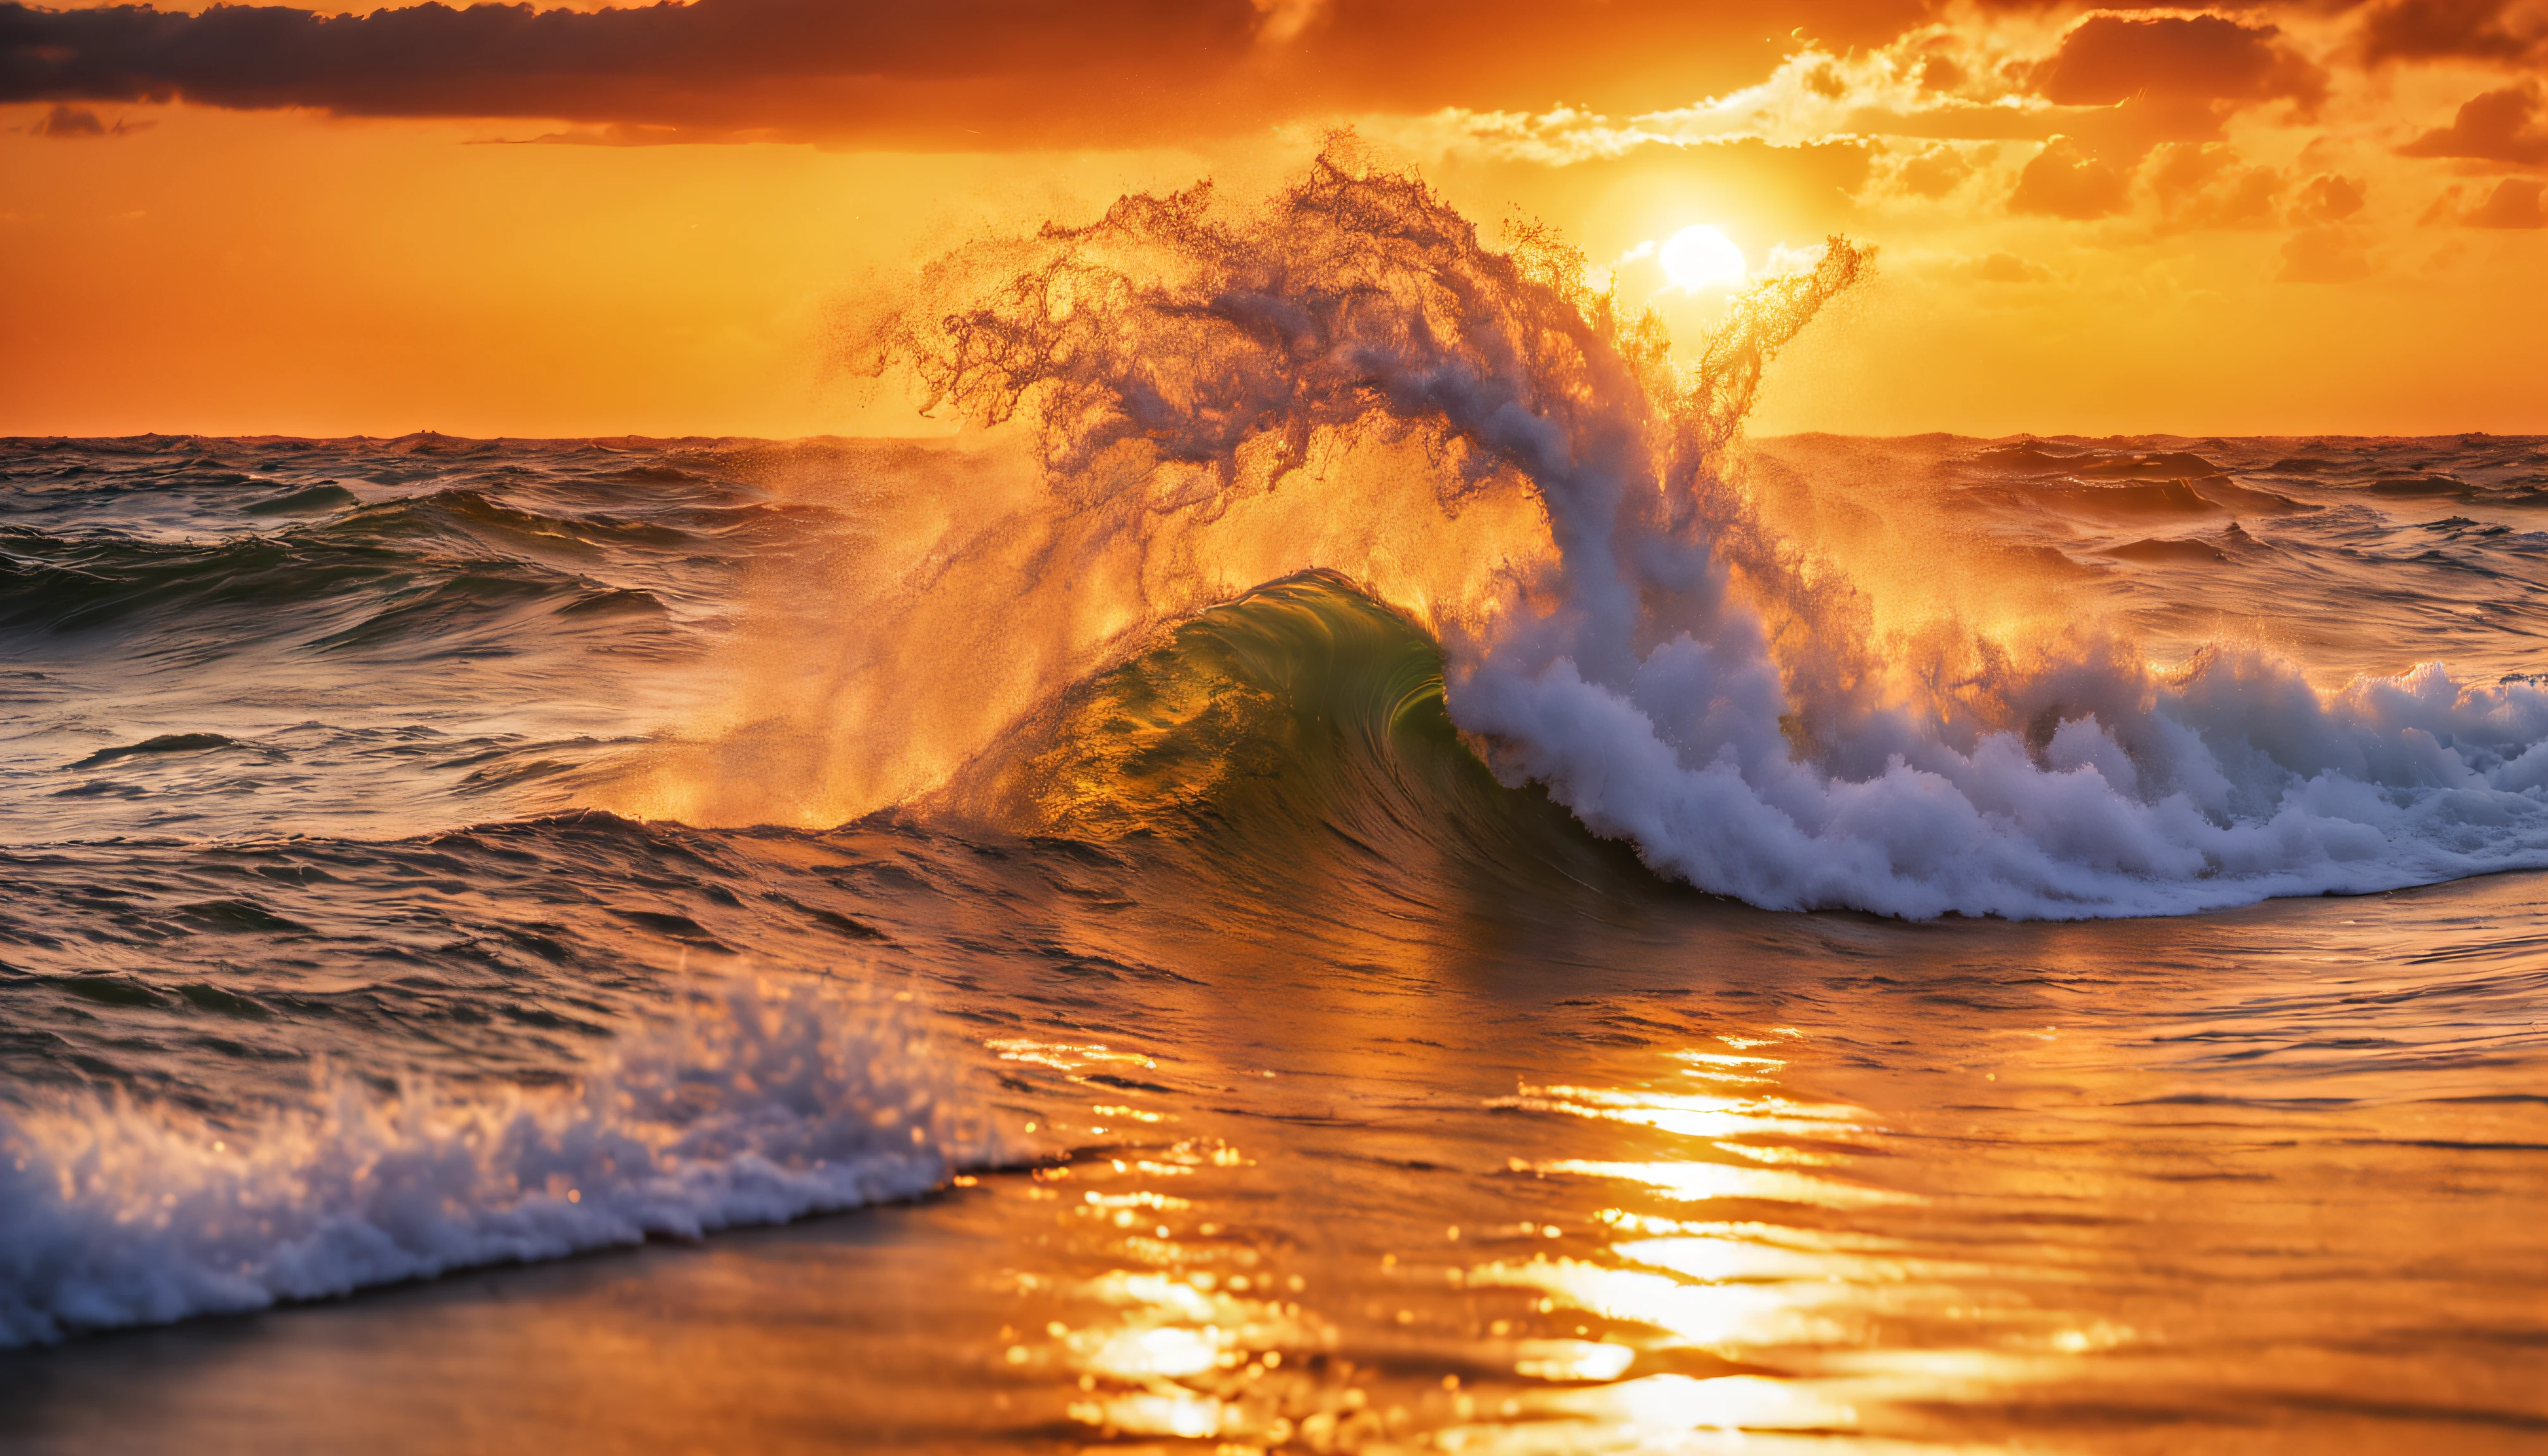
(1667, 667)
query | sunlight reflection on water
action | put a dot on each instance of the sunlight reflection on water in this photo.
(1691, 1331)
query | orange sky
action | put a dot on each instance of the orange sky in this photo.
(2256, 219)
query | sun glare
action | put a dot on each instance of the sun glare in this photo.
(1699, 257)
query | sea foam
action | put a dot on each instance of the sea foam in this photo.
(763, 1100)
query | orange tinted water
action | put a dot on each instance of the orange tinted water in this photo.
(1599, 1175)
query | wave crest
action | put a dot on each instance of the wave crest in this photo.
(1666, 665)
(763, 1101)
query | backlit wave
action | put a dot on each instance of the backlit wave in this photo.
(1635, 638)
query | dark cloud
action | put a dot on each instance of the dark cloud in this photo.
(2328, 197)
(78, 122)
(70, 121)
(2064, 182)
(2427, 29)
(2106, 58)
(2504, 126)
(958, 73)
(715, 64)
(2515, 201)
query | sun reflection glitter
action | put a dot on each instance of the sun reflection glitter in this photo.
(1698, 1182)
(1598, 1307)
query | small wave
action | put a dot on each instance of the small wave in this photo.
(2425, 486)
(314, 501)
(2161, 465)
(2168, 549)
(764, 1101)
(474, 518)
(2163, 498)
(328, 589)
(166, 743)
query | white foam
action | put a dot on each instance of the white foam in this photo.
(2221, 805)
(764, 1101)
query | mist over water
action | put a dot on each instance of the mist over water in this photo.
(422, 855)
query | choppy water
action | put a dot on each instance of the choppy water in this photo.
(1351, 1098)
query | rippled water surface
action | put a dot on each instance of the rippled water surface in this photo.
(1267, 1074)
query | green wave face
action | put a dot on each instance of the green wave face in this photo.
(1300, 721)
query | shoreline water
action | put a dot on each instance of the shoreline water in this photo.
(1853, 1182)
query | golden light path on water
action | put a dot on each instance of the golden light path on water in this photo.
(1183, 1341)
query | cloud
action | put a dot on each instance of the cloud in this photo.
(2182, 186)
(70, 120)
(1940, 74)
(2328, 198)
(617, 133)
(2106, 58)
(2128, 127)
(78, 122)
(2327, 253)
(2208, 184)
(2431, 29)
(956, 74)
(1809, 97)
(1935, 83)
(2504, 126)
(2064, 182)
(1932, 172)
(1622, 57)
(2515, 201)
(713, 64)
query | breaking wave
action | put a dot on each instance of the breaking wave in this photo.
(1647, 648)
(764, 1101)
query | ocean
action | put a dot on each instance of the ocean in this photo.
(1366, 874)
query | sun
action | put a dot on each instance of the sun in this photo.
(1699, 257)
